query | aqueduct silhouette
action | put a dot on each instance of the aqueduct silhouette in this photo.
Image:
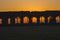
(27, 17)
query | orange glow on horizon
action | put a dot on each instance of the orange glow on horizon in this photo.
(29, 5)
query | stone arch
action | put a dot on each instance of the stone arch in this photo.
(34, 19)
(49, 19)
(42, 19)
(26, 20)
(17, 20)
(57, 19)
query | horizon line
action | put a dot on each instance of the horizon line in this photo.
(30, 11)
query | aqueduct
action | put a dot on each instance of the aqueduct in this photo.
(30, 17)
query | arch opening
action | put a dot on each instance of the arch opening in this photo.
(26, 20)
(49, 19)
(34, 19)
(0, 20)
(9, 20)
(17, 20)
(57, 19)
(42, 19)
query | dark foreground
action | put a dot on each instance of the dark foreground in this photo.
(42, 24)
(30, 32)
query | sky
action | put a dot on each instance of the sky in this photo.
(29, 5)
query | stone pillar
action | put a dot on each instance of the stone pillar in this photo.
(5, 20)
(21, 19)
(12, 20)
(46, 19)
(54, 21)
(38, 20)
